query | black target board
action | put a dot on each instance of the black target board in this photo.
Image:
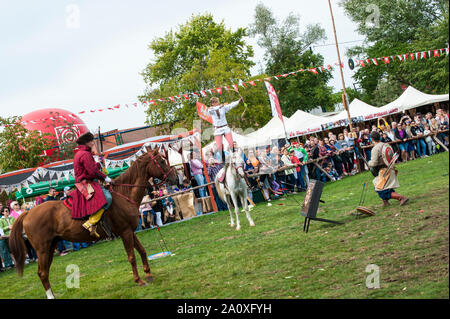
(311, 204)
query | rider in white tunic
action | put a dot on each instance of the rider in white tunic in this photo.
(221, 128)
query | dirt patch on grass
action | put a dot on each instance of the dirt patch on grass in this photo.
(226, 238)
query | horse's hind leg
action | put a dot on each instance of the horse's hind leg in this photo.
(45, 258)
(141, 251)
(128, 243)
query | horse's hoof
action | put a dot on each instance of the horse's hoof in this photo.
(232, 225)
(238, 228)
(252, 225)
(142, 283)
(149, 278)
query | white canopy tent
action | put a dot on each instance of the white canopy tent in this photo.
(274, 129)
(412, 98)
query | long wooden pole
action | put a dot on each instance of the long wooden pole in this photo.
(344, 98)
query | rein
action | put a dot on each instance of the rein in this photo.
(165, 175)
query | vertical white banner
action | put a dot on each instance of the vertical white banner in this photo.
(274, 103)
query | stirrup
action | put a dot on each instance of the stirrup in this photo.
(92, 229)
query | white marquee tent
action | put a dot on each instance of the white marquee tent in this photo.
(412, 98)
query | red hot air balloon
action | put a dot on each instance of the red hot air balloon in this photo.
(64, 126)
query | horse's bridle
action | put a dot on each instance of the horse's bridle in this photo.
(165, 175)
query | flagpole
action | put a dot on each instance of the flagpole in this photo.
(344, 98)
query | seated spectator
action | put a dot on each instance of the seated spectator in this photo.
(168, 205)
(332, 172)
(51, 194)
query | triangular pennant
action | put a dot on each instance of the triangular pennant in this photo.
(242, 83)
(219, 90)
(386, 60)
(31, 179)
(436, 53)
(375, 61)
(411, 56)
(67, 175)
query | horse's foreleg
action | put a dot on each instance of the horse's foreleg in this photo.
(128, 243)
(227, 199)
(141, 251)
(236, 210)
(245, 205)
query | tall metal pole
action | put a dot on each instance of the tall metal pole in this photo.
(344, 97)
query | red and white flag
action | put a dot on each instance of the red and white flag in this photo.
(274, 103)
(202, 111)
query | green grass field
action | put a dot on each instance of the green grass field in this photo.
(276, 259)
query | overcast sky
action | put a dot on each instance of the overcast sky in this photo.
(51, 59)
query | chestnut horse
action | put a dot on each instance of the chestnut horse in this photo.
(46, 224)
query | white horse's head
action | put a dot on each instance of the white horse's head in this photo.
(236, 161)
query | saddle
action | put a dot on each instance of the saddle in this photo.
(103, 222)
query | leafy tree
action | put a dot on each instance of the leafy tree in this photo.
(201, 54)
(20, 148)
(400, 27)
(285, 49)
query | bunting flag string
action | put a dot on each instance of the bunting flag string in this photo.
(194, 96)
(39, 176)
(175, 145)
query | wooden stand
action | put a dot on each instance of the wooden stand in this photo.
(311, 204)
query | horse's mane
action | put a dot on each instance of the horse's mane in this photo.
(133, 172)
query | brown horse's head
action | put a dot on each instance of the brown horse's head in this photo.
(157, 165)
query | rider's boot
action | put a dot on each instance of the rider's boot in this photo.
(93, 220)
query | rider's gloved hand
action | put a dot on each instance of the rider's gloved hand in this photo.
(107, 180)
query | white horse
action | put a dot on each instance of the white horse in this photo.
(234, 187)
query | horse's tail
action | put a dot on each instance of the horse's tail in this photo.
(17, 244)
